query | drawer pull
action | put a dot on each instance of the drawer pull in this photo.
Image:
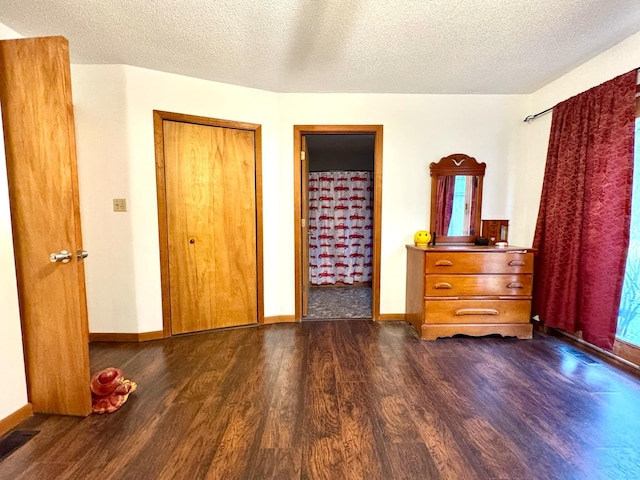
(516, 263)
(515, 285)
(442, 286)
(444, 263)
(477, 311)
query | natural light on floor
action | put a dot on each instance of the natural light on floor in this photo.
(629, 316)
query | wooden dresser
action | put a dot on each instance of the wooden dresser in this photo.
(471, 290)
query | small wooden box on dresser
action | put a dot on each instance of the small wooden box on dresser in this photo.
(469, 289)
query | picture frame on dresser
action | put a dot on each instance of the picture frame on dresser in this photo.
(495, 231)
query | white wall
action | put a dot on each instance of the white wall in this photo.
(103, 172)
(418, 130)
(619, 59)
(14, 395)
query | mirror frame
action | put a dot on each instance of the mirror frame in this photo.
(457, 164)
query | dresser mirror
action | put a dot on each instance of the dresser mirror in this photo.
(456, 198)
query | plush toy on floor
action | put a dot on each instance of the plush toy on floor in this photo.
(109, 390)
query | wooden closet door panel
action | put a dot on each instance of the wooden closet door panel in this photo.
(235, 227)
(190, 217)
(37, 111)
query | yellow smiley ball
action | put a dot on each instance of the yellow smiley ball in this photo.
(422, 238)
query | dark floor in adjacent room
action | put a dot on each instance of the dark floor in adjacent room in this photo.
(346, 400)
(339, 302)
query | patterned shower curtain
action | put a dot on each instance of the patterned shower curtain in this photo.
(340, 226)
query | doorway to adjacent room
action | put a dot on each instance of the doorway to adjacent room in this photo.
(338, 209)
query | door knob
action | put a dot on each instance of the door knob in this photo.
(62, 256)
(82, 254)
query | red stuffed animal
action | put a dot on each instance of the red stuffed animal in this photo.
(109, 390)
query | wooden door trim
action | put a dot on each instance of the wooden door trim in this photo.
(298, 132)
(304, 214)
(158, 117)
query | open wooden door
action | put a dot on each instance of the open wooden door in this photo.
(37, 115)
(304, 192)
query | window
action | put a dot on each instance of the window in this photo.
(629, 314)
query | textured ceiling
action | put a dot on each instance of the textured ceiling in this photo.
(392, 46)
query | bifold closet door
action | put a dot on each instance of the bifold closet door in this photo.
(211, 223)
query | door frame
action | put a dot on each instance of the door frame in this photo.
(158, 119)
(298, 132)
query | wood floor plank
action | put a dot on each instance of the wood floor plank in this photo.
(350, 366)
(277, 464)
(395, 420)
(45, 471)
(321, 365)
(322, 449)
(323, 459)
(193, 455)
(284, 423)
(243, 432)
(411, 461)
(364, 453)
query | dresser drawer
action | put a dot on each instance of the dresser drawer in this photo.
(477, 285)
(476, 311)
(465, 262)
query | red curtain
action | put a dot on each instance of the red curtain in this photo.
(474, 205)
(444, 201)
(582, 232)
(341, 227)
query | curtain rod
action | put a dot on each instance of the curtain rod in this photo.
(531, 118)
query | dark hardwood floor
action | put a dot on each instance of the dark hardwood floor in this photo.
(346, 400)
